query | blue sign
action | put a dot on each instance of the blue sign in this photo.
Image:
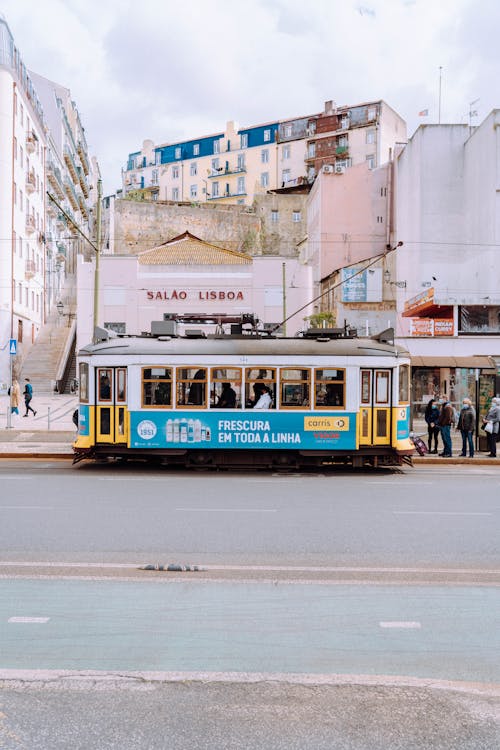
(266, 430)
(13, 346)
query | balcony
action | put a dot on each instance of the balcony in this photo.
(30, 224)
(82, 153)
(55, 180)
(71, 164)
(83, 206)
(61, 253)
(60, 223)
(29, 269)
(226, 194)
(83, 182)
(72, 196)
(31, 181)
(342, 151)
(31, 142)
(226, 171)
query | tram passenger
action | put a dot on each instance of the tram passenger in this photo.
(104, 388)
(332, 397)
(227, 398)
(265, 401)
(196, 393)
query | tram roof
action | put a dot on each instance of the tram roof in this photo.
(244, 345)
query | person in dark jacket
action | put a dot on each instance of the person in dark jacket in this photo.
(446, 419)
(466, 425)
(431, 417)
(493, 416)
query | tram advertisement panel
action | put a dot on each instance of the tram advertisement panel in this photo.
(271, 430)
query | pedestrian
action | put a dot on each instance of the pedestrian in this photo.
(492, 418)
(15, 397)
(445, 420)
(28, 395)
(431, 417)
(466, 425)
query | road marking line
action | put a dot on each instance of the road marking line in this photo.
(41, 620)
(26, 507)
(439, 513)
(227, 510)
(405, 625)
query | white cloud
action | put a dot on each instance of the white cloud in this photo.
(168, 70)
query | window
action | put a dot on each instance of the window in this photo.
(382, 387)
(329, 390)
(370, 136)
(258, 382)
(372, 113)
(15, 193)
(404, 384)
(154, 177)
(196, 149)
(342, 141)
(371, 161)
(178, 152)
(215, 189)
(105, 376)
(191, 387)
(241, 185)
(264, 156)
(275, 215)
(295, 389)
(287, 131)
(285, 176)
(22, 114)
(311, 150)
(15, 147)
(21, 156)
(225, 388)
(117, 327)
(215, 166)
(244, 140)
(267, 135)
(286, 152)
(83, 382)
(366, 386)
(193, 191)
(344, 122)
(157, 387)
(175, 173)
(296, 216)
(216, 147)
(241, 161)
(264, 179)
(193, 169)
(175, 194)
(20, 247)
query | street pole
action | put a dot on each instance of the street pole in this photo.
(283, 268)
(9, 410)
(98, 254)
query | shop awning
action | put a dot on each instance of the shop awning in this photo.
(479, 361)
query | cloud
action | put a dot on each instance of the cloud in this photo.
(180, 70)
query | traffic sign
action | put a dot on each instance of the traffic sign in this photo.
(13, 346)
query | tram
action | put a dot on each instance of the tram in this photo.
(248, 399)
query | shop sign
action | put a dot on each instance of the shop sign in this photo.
(221, 295)
(432, 327)
(424, 298)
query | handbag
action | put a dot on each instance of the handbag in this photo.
(488, 427)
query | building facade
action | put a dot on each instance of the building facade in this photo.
(42, 150)
(235, 165)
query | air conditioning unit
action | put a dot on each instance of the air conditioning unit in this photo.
(339, 170)
(327, 169)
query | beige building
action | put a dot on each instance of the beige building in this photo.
(236, 164)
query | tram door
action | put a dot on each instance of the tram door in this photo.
(375, 407)
(111, 405)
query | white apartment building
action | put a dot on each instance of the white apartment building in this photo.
(447, 182)
(42, 148)
(236, 164)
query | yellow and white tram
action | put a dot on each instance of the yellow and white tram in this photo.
(197, 402)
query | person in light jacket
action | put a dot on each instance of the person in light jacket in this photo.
(493, 416)
(466, 425)
(15, 397)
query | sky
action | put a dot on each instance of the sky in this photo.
(170, 70)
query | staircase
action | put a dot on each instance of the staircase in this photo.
(47, 357)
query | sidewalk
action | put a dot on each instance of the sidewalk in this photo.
(49, 434)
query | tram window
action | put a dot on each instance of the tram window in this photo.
(404, 384)
(225, 388)
(84, 382)
(260, 380)
(382, 387)
(105, 385)
(192, 386)
(366, 386)
(295, 388)
(121, 384)
(329, 389)
(157, 386)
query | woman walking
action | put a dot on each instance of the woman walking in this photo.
(431, 417)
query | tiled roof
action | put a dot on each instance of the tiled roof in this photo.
(188, 250)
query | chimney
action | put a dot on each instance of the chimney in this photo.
(330, 107)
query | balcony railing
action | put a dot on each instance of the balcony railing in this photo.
(72, 196)
(30, 224)
(71, 164)
(226, 171)
(55, 180)
(82, 153)
(29, 269)
(31, 182)
(226, 195)
(31, 141)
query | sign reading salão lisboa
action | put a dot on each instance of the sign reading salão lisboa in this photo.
(221, 295)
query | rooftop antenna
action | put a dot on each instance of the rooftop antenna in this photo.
(472, 113)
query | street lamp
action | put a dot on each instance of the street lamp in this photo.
(387, 279)
(60, 307)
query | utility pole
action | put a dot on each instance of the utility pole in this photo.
(98, 254)
(283, 268)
